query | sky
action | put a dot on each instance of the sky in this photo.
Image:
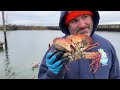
(51, 18)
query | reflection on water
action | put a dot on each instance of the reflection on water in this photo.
(8, 68)
(1, 49)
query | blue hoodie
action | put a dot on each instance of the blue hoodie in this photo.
(79, 69)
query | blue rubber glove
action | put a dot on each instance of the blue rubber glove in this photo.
(55, 62)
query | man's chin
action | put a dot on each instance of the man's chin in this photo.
(86, 33)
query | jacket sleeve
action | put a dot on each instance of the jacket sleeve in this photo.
(45, 73)
(115, 69)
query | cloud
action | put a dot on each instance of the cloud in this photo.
(51, 18)
(45, 18)
(109, 17)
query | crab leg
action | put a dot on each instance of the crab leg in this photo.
(92, 46)
(90, 55)
(95, 67)
(95, 63)
(49, 47)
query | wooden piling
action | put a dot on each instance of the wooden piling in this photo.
(4, 29)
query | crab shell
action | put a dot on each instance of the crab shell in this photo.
(81, 40)
(63, 44)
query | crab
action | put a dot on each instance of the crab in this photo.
(75, 48)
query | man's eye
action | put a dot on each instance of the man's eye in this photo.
(74, 21)
(84, 16)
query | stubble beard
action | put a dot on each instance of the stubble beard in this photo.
(87, 30)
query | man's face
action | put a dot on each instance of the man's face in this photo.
(81, 25)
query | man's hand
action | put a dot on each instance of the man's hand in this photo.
(55, 61)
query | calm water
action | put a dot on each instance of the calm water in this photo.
(27, 47)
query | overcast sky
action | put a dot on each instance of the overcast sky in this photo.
(51, 18)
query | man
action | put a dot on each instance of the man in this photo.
(80, 22)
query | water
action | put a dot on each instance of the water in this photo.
(27, 47)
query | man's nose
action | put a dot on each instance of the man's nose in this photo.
(81, 24)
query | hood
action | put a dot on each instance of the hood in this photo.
(64, 28)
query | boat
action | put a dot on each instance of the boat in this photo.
(35, 65)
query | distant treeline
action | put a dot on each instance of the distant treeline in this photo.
(22, 27)
(112, 27)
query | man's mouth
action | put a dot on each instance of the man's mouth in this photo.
(85, 31)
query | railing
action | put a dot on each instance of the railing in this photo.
(112, 27)
(109, 26)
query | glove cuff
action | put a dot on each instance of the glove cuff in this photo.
(51, 75)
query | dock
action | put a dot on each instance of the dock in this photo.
(1, 44)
